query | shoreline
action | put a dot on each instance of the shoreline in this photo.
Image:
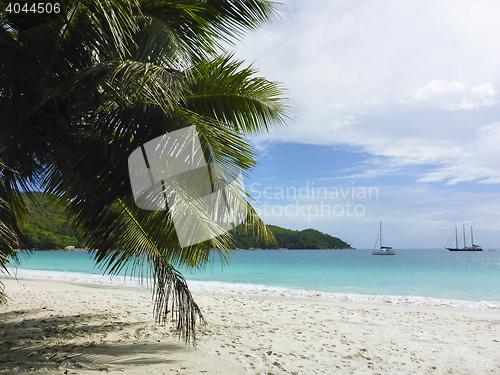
(254, 290)
(300, 296)
(51, 326)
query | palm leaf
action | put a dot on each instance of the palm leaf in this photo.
(128, 242)
(222, 89)
(198, 29)
(9, 226)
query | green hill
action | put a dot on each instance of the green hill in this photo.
(47, 229)
(292, 239)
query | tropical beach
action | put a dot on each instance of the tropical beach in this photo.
(158, 137)
(266, 312)
(63, 327)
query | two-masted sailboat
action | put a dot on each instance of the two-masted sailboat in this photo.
(473, 247)
(384, 250)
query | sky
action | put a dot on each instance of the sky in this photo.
(396, 118)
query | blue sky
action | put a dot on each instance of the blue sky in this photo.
(401, 97)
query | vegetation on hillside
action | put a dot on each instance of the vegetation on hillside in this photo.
(291, 239)
(47, 228)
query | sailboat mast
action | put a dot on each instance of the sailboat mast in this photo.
(380, 234)
(456, 238)
(463, 230)
(471, 236)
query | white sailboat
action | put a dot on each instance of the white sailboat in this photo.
(384, 250)
(282, 248)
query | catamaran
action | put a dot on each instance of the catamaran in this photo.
(473, 247)
(384, 250)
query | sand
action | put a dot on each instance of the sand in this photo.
(65, 328)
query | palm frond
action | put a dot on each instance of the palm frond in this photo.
(129, 242)
(9, 228)
(223, 89)
(128, 82)
(197, 29)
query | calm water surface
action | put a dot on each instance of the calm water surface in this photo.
(472, 276)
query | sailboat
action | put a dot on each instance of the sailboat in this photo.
(384, 250)
(282, 248)
(473, 247)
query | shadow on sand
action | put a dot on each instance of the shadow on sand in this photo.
(98, 342)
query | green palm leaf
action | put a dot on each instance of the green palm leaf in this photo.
(222, 89)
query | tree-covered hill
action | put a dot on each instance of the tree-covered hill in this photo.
(292, 239)
(47, 228)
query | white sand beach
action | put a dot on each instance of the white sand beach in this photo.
(64, 328)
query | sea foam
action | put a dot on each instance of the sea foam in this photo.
(252, 290)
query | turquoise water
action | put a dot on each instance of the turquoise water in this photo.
(469, 276)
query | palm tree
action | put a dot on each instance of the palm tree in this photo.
(83, 88)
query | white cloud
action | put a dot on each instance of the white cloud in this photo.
(448, 161)
(346, 121)
(411, 80)
(452, 95)
(480, 95)
(416, 151)
(437, 88)
(477, 160)
(484, 90)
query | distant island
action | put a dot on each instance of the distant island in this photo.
(47, 228)
(307, 239)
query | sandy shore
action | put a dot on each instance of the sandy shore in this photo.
(64, 328)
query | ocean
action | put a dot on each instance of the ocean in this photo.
(431, 277)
